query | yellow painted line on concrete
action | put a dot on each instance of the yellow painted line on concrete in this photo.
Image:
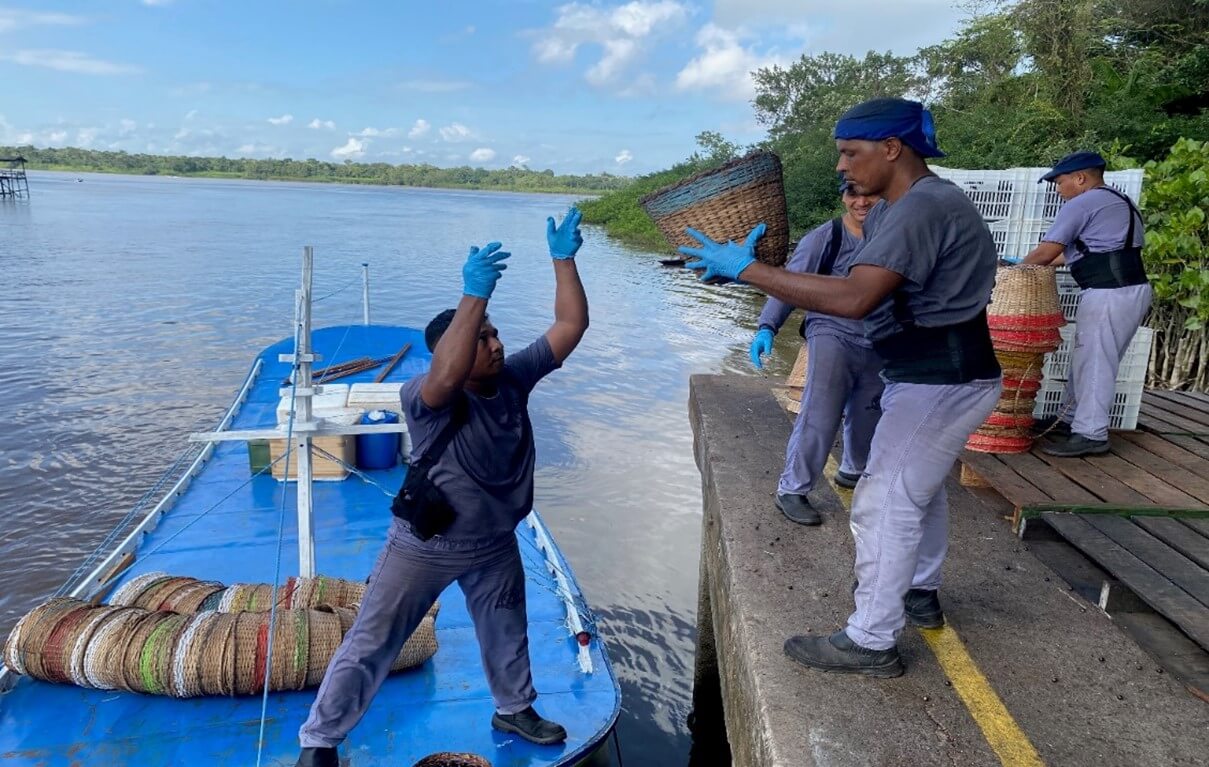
(1002, 733)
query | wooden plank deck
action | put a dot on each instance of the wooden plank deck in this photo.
(1139, 556)
(1162, 469)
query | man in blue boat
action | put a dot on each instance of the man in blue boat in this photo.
(1099, 234)
(922, 282)
(475, 400)
(843, 376)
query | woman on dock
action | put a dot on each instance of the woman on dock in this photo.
(843, 374)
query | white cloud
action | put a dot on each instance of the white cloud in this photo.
(13, 18)
(283, 120)
(67, 61)
(455, 132)
(883, 24)
(421, 128)
(318, 124)
(157, 2)
(180, 134)
(257, 148)
(85, 136)
(374, 132)
(724, 66)
(623, 157)
(56, 137)
(351, 150)
(482, 154)
(622, 32)
(191, 114)
(126, 126)
(520, 160)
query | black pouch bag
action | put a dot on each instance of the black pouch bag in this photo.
(419, 502)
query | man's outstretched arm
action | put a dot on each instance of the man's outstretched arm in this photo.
(854, 296)
(453, 359)
(570, 301)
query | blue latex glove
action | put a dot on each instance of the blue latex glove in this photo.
(483, 269)
(720, 260)
(564, 240)
(760, 345)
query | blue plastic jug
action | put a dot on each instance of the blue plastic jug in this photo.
(378, 451)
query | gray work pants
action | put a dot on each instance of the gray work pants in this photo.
(409, 576)
(900, 512)
(1105, 324)
(843, 378)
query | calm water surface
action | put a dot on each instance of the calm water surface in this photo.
(132, 308)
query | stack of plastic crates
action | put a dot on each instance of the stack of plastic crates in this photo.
(1017, 209)
(1019, 212)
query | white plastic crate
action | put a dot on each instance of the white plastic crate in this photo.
(1016, 239)
(1014, 194)
(1068, 294)
(1133, 368)
(1123, 415)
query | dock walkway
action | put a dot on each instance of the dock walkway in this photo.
(1026, 673)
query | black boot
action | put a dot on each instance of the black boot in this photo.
(798, 509)
(1051, 427)
(923, 609)
(846, 480)
(839, 653)
(323, 756)
(530, 726)
(1076, 445)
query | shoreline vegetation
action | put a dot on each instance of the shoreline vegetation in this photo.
(514, 179)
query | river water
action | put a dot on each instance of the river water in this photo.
(133, 306)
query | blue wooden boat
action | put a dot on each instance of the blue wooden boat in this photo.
(217, 521)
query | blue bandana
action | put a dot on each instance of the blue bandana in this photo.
(879, 119)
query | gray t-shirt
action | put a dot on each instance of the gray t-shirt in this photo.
(1099, 218)
(806, 259)
(936, 239)
(486, 472)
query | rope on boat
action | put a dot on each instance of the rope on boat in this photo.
(303, 296)
(570, 602)
(113, 647)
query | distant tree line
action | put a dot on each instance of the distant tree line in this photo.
(508, 179)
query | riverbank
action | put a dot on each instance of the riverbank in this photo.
(73, 160)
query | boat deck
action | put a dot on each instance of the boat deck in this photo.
(226, 528)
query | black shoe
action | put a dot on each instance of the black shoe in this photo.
(798, 509)
(324, 756)
(844, 479)
(923, 609)
(530, 726)
(839, 653)
(1076, 445)
(1051, 427)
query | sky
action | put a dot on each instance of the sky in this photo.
(580, 87)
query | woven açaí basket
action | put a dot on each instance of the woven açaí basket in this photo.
(725, 204)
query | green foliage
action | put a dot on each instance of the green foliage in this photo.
(622, 216)
(508, 179)
(1176, 205)
(800, 104)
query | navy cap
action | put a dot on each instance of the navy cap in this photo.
(1073, 162)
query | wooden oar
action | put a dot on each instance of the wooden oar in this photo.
(393, 361)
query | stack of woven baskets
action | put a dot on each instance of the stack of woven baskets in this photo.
(1024, 318)
(726, 204)
(187, 654)
(182, 594)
